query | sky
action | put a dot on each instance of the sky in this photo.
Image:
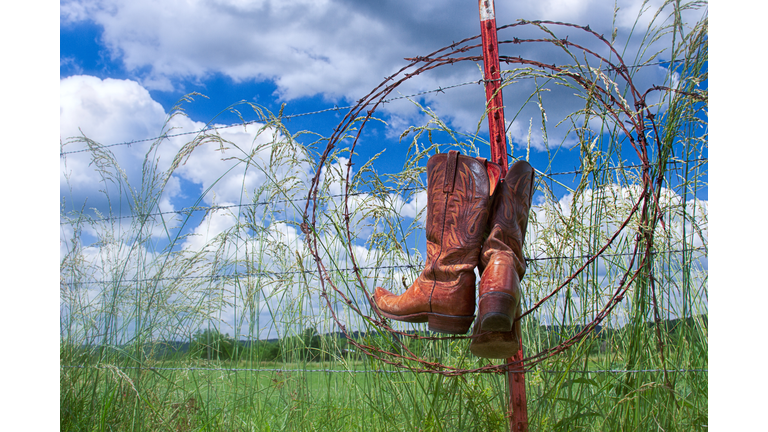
(122, 67)
(309, 55)
(125, 67)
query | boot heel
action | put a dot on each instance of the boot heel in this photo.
(498, 345)
(449, 324)
(496, 311)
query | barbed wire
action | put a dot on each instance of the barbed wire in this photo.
(630, 113)
(440, 89)
(236, 370)
(193, 209)
(639, 119)
(235, 275)
(351, 269)
(280, 117)
(208, 129)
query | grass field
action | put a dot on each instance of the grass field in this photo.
(346, 395)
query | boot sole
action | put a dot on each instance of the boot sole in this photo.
(438, 323)
(495, 311)
(496, 345)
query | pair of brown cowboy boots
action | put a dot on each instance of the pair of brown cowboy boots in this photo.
(474, 219)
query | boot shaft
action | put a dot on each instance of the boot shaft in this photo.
(508, 220)
(458, 191)
(502, 265)
(458, 205)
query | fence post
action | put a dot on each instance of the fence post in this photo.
(493, 94)
(518, 403)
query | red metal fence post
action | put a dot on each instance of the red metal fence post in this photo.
(493, 84)
(518, 403)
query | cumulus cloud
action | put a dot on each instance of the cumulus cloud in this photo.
(232, 171)
(560, 223)
(564, 233)
(230, 166)
(108, 110)
(341, 49)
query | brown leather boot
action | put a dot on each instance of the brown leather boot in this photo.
(458, 203)
(502, 266)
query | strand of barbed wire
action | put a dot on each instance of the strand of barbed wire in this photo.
(290, 116)
(347, 270)
(193, 209)
(401, 371)
(635, 126)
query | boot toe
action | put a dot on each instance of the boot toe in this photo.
(380, 293)
(405, 307)
(383, 299)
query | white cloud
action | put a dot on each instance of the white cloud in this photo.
(342, 49)
(563, 233)
(416, 206)
(571, 10)
(106, 111)
(214, 224)
(109, 110)
(613, 203)
(113, 111)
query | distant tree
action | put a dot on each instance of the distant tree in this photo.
(210, 344)
(311, 338)
(267, 351)
(303, 346)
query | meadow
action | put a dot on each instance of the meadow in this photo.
(185, 394)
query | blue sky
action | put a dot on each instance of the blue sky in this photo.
(118, 58)
(123, 67)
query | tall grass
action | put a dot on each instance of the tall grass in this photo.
(136, 282)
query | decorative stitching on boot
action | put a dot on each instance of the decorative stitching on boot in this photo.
(450, 171)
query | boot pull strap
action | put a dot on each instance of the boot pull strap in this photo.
(450, 171)
(494, 174)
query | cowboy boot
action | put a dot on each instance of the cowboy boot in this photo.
(502, 266)
(458, 203)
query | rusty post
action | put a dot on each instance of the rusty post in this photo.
(492, 74)
(518, 401)
(518, 404)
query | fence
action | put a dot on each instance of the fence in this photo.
(255, 314)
